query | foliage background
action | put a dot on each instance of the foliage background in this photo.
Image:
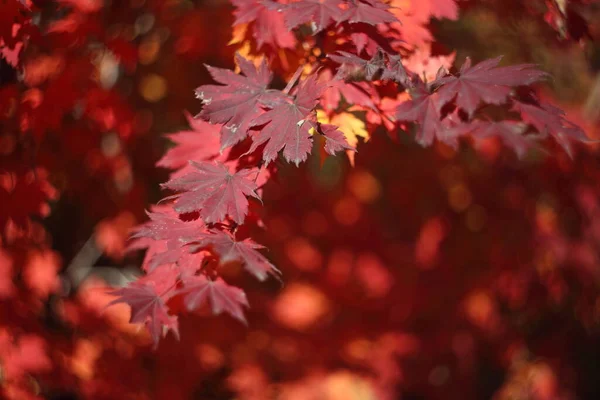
(419, 273)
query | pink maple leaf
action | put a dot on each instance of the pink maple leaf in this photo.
(287, 124)
(222, 297)
(173, 252)
(189, 264)
(236, 103)
(147, 298)
(509, 132)
(352, 65)
(200, 143)
(147, 240)
(165, 236)
(320, 13)
(395, 71)
(424, 110)
(214, 191)
(356, 93)
(269, 25)
(550, 120)
(370, 12)
(334, 139)
(228, 249)
(168, 226)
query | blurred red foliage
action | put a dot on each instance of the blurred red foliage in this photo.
(462, 270)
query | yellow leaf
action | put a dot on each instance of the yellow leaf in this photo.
(322, 117)
(351, 126)
(244, 51)
(239, 33)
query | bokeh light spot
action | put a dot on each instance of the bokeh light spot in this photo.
(153, 88)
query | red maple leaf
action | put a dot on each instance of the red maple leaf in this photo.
(245, 251)
(200, 143)
(368, 38)
(550, 120)
(511, 133)
(174, 251)
(334, 139)
(485, 82)
(168, 226)
(236, 104)
(287, 126)
(269, 25)
(423, 109)
(189, 264)
(152, 247)
(371, 12)
(169, 236)
(214, 191)
(222, 297)
(356, 67)
(320, 13)
(164, 237)
(395, 71)
(356, 93)
(147, 298)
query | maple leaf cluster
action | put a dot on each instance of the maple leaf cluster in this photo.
(312, 79)
(208, 189)
(353, 80)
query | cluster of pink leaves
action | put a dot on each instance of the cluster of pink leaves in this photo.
(245, 124)
(184, 255)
